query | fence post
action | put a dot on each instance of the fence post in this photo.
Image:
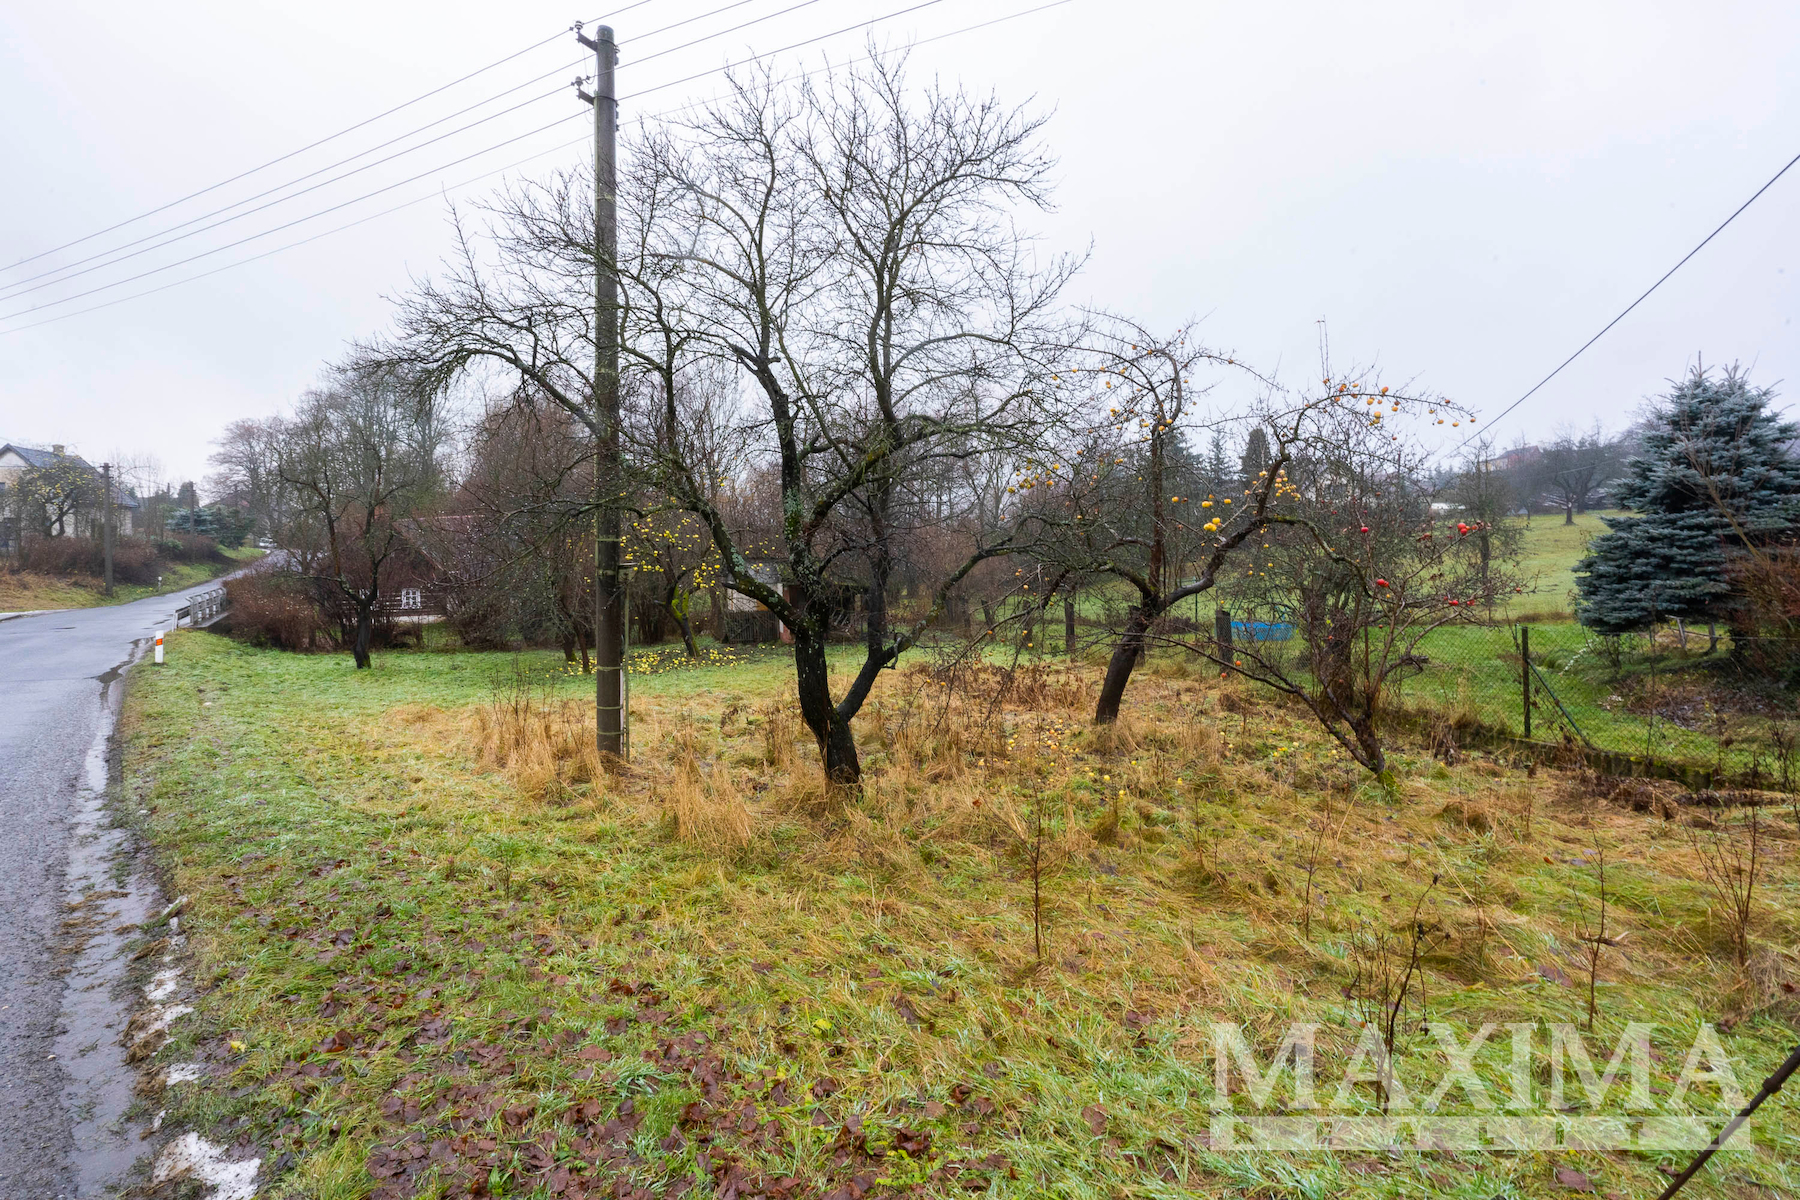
(1525, 674)
(1222, 630)
(1068, 624)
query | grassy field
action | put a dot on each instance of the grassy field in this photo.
(436, 951)
(24, 590)
(1677, 705)
(1548, 556)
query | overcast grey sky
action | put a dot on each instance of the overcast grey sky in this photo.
(1465, 192)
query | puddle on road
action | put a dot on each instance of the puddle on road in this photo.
(97, 1004)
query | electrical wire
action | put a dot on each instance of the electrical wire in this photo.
(794, 46)
(687, 21)
(67, 271)
(563, 146)
(20, 290)
(723, 32)
(322, 141)
(309, 238)
(290, 224)
(803, 75)
(1626, 311)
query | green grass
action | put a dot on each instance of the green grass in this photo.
(395, 948)
(1548, 554)
(21, 591)
(1670, 704)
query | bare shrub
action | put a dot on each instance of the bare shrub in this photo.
(1387, 968)
(545, 745)
(134, 559)
(1730, 861)
(1322, 832)
(275, 609)
(1595, 935)
(779, 732)
(1036, 840)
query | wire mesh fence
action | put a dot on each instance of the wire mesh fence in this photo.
(1674, 696)
(1689, 700)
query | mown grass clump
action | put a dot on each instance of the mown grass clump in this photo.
(441, 951)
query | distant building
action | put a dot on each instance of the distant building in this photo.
(1518, 456)
(82, 520)
(748, 620)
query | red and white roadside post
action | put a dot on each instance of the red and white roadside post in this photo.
(159, 638)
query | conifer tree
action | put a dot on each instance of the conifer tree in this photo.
(1712, 477)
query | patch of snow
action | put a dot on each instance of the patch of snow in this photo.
(163, 984)
(183, 1073)
(160, 1018)
(191, 1156)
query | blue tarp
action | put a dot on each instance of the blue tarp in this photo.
(1262, 631)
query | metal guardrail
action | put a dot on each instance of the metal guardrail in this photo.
(202, 608)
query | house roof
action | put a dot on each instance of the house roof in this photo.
(39, 458)
(35, 457)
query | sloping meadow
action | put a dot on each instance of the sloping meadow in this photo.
(440, 950)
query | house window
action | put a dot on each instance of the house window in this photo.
(410, 598)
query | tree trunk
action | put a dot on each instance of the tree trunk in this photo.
(1568, 514)
(568, 645)
(687, 636)
(813, 683)
(1069, 625)
(1124, 660)
(1362, 727)
(365, 623)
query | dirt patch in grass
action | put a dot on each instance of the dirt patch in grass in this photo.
(443, 953)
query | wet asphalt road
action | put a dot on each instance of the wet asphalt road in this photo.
(53, 669)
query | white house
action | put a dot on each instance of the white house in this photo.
(16, 461)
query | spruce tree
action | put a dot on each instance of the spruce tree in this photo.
(1713, 475)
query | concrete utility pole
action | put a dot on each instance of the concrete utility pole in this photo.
(106, 520)
(609, 600)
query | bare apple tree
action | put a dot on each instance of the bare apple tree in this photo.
(848, 249)
(1352, 570)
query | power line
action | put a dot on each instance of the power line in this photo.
(688, 21)
(1665, 278)
(320, 142)
(936, 37)
(66, 272)
(290, 224)
(282, 158)
(723, 32)
(807, 42)
(562, 146)
(303, 241)
(18, 290)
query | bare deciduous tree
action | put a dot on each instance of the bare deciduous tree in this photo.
(849, 251)
(1573, 470)
(361, 455)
